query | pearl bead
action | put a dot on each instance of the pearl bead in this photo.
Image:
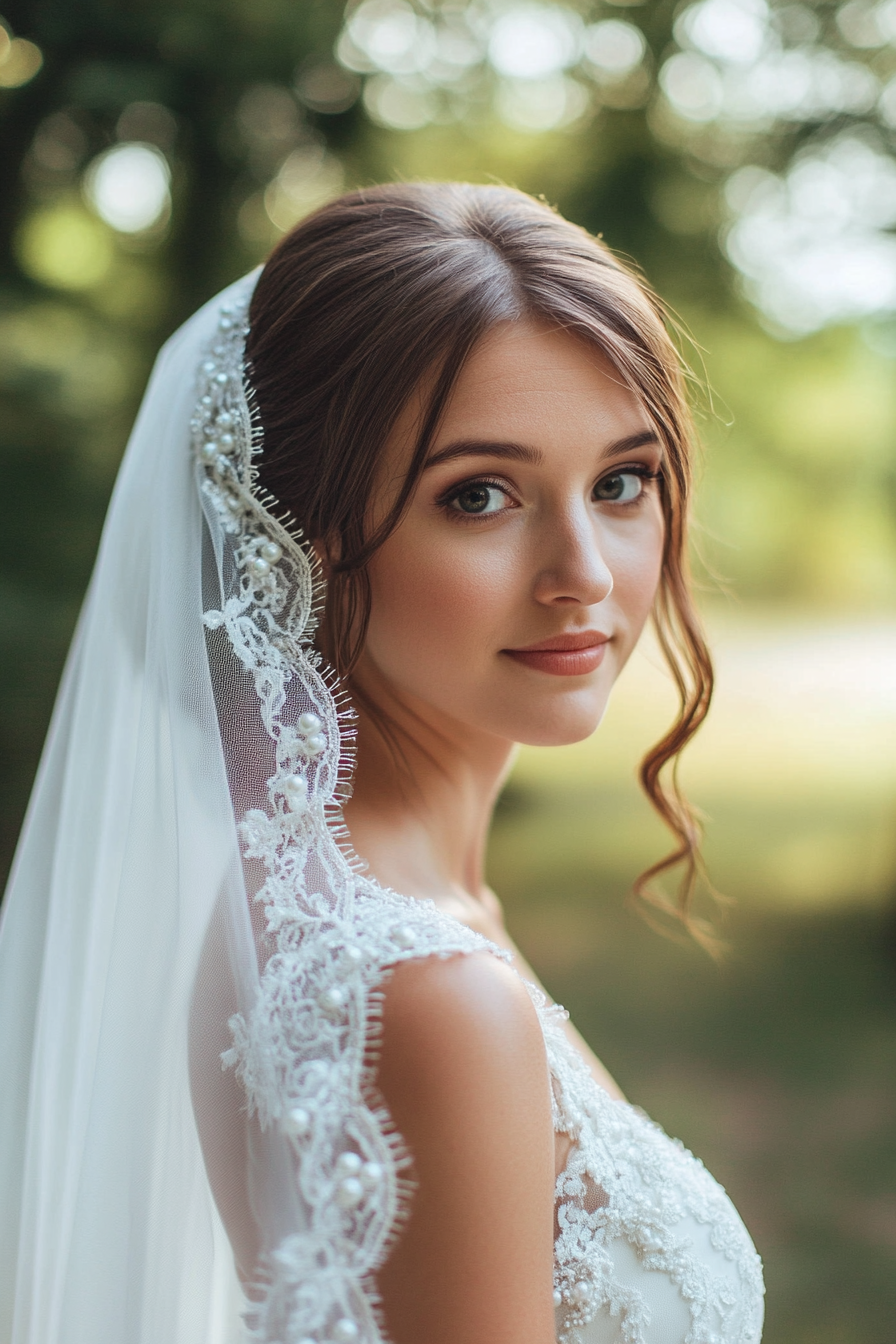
(309, 723)
(581, 1293)
(225, 420)
(350, 959)
(226, 442)
(558, 1298)
(221, 379)
(332, 1000)
(403, 935)
(315, 744)
(209, 367)
(271, 551)
(349, 1193)
(298, 1122)
(348, 1164)
(296, 786)
(259, 567)
(210, 450)
(225, 324)
(206, 400)
(651, 1241)
(345, 1331)
(371, 1175)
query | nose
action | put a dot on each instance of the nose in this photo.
(572, 569)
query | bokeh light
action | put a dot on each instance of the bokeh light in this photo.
(65, 247)
(532, 41)
(614, 48)
(324, 86)
(535, 67)
(20, 60)
(815, 246)
(734, 31)
(307, 178)
(129, 187)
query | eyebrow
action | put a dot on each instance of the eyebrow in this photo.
(520, 452)
(516, 452)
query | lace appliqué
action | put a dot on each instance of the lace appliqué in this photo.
(626, 1182)
(304, 1053)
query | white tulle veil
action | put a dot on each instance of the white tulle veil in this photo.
(193, 763)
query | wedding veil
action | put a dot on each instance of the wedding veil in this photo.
(193, 763)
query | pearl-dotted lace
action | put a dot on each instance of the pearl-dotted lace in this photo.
(626, 1186)
(631, 1204)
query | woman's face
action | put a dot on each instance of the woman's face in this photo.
(517, 583)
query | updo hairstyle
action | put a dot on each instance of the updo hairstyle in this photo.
(389, 289)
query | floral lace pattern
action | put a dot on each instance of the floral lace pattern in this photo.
(627, 1183)
(306, 1052)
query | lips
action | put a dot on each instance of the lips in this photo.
(569, 655)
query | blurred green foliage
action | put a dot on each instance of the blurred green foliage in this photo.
(779, 1069)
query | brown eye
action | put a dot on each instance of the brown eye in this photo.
(478, 499)
(622, 487)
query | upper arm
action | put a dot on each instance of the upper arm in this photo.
(464, 1073)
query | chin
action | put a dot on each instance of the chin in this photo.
(557, 728)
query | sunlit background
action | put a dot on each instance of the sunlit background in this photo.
(744, 155)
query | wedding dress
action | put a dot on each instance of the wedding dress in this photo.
(184, 898)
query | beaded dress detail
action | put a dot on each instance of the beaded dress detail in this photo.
(648, 1248)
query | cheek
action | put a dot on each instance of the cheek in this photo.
(437, 609)
(635, 559)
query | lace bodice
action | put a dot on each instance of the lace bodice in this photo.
(648, 1247)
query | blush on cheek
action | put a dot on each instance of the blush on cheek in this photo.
(636, 565)
(437, 614)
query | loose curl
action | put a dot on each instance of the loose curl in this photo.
(388, 290)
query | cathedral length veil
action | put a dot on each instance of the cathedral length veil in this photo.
(193, 762)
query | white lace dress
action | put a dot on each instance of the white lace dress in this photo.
(648, 1247)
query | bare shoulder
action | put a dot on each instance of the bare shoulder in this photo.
(444, 1018)
(464, 1073)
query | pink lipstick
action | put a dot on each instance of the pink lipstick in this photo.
(570, 655)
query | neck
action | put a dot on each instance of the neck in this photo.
(423, 793)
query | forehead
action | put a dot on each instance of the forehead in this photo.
(526, 378)
(524, 382)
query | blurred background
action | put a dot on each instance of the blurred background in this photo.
(744, 155)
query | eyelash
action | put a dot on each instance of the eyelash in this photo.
(446, 500)
(635, 469)
(457, 490)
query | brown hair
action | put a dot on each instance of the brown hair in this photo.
(377, 290)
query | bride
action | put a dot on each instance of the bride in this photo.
(272, 1067)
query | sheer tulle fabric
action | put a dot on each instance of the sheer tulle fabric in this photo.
(108, 1228)
(189, 996)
